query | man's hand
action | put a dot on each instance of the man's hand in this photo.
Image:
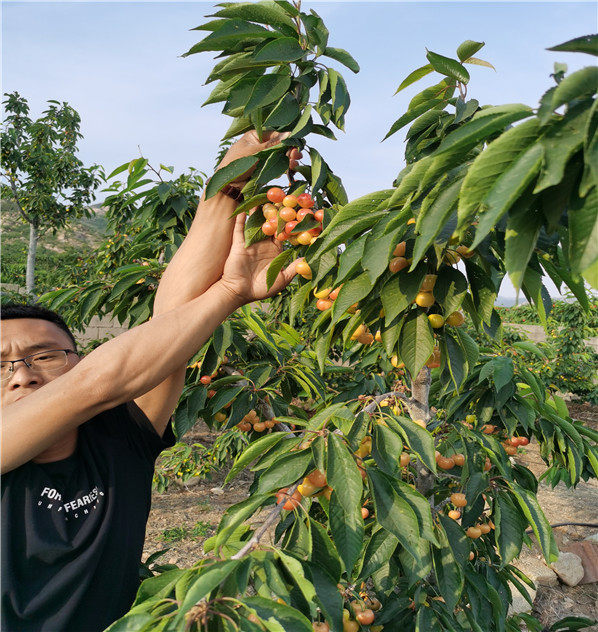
(245, 269)
(248, 145)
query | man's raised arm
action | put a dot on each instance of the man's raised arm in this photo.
(197, 264)
(135, 362)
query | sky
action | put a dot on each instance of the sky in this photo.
(119, 65)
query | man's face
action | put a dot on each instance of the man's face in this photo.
(22, 337)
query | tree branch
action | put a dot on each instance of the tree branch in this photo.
(16, 194)
(257, 536)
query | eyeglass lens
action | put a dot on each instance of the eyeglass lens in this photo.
(44, 361)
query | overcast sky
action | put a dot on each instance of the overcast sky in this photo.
(119, 65)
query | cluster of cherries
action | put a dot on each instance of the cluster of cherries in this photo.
(251, 421)
(290, 209)
(314, 484)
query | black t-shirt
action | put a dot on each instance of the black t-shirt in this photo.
(73, 530)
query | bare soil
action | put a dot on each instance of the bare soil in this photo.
(206, 501)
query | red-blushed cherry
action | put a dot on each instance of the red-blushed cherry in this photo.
(275, 194)
(305, 200)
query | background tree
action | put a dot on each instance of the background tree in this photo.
(41, 172)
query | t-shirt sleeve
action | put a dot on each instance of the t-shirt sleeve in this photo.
(143, 436)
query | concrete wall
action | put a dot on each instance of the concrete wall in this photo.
(98, 329)
(536, 333)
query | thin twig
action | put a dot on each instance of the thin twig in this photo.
(370, 408)
(257, 536)
(16, 194)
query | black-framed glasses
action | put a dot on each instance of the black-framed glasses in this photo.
(50, 360)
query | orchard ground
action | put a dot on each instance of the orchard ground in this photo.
(205, 501)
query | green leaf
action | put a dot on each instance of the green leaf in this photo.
(346, 527)
(231, 33)
(267, 89)
(328, 596)
(393, 512)
(285, 112)
(455, 359)
(447, 66)
(479, 62)
(583, 231)
(339, 54)
(283, 49)
(317, 33)
(450, 289)
(158, 586)
(468, 48)
(485, 170)
(560, 142)
(351, 292)
(324, 552)
(421, 505)
(448, 574)
(131, 622)
(253, 228)
(510, 527)
(255, 449)
(523, 227)
(426, 621)
(537, 520)
(227, 174)
(205, 583)
(412, 114)
(398, 292)
(319, 170)
(483, 124)
(509, 186)
(443, 90)
(431, 221)
(352, 217)
(416, 75)
(261, 12)
(286, 470)
(274, 166)
(343, 474)
(584, 44)
(273, 613)
(465, 110)
(340, 97)
(379, 550)
(418, 439)
(295, 570)
(580, 83)
(386, 445)
(298, 300)
(238, 126)
(276, 266)
(416, 341)
(458, 541)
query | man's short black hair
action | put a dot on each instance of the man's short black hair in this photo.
(10, 311)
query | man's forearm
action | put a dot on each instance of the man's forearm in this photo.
(199, 261)
(116, 372)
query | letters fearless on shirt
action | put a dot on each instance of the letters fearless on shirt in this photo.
(82, 501)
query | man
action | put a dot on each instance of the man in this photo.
(80, 436)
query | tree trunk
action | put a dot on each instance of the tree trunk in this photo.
(30, 274)
(419, 409)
